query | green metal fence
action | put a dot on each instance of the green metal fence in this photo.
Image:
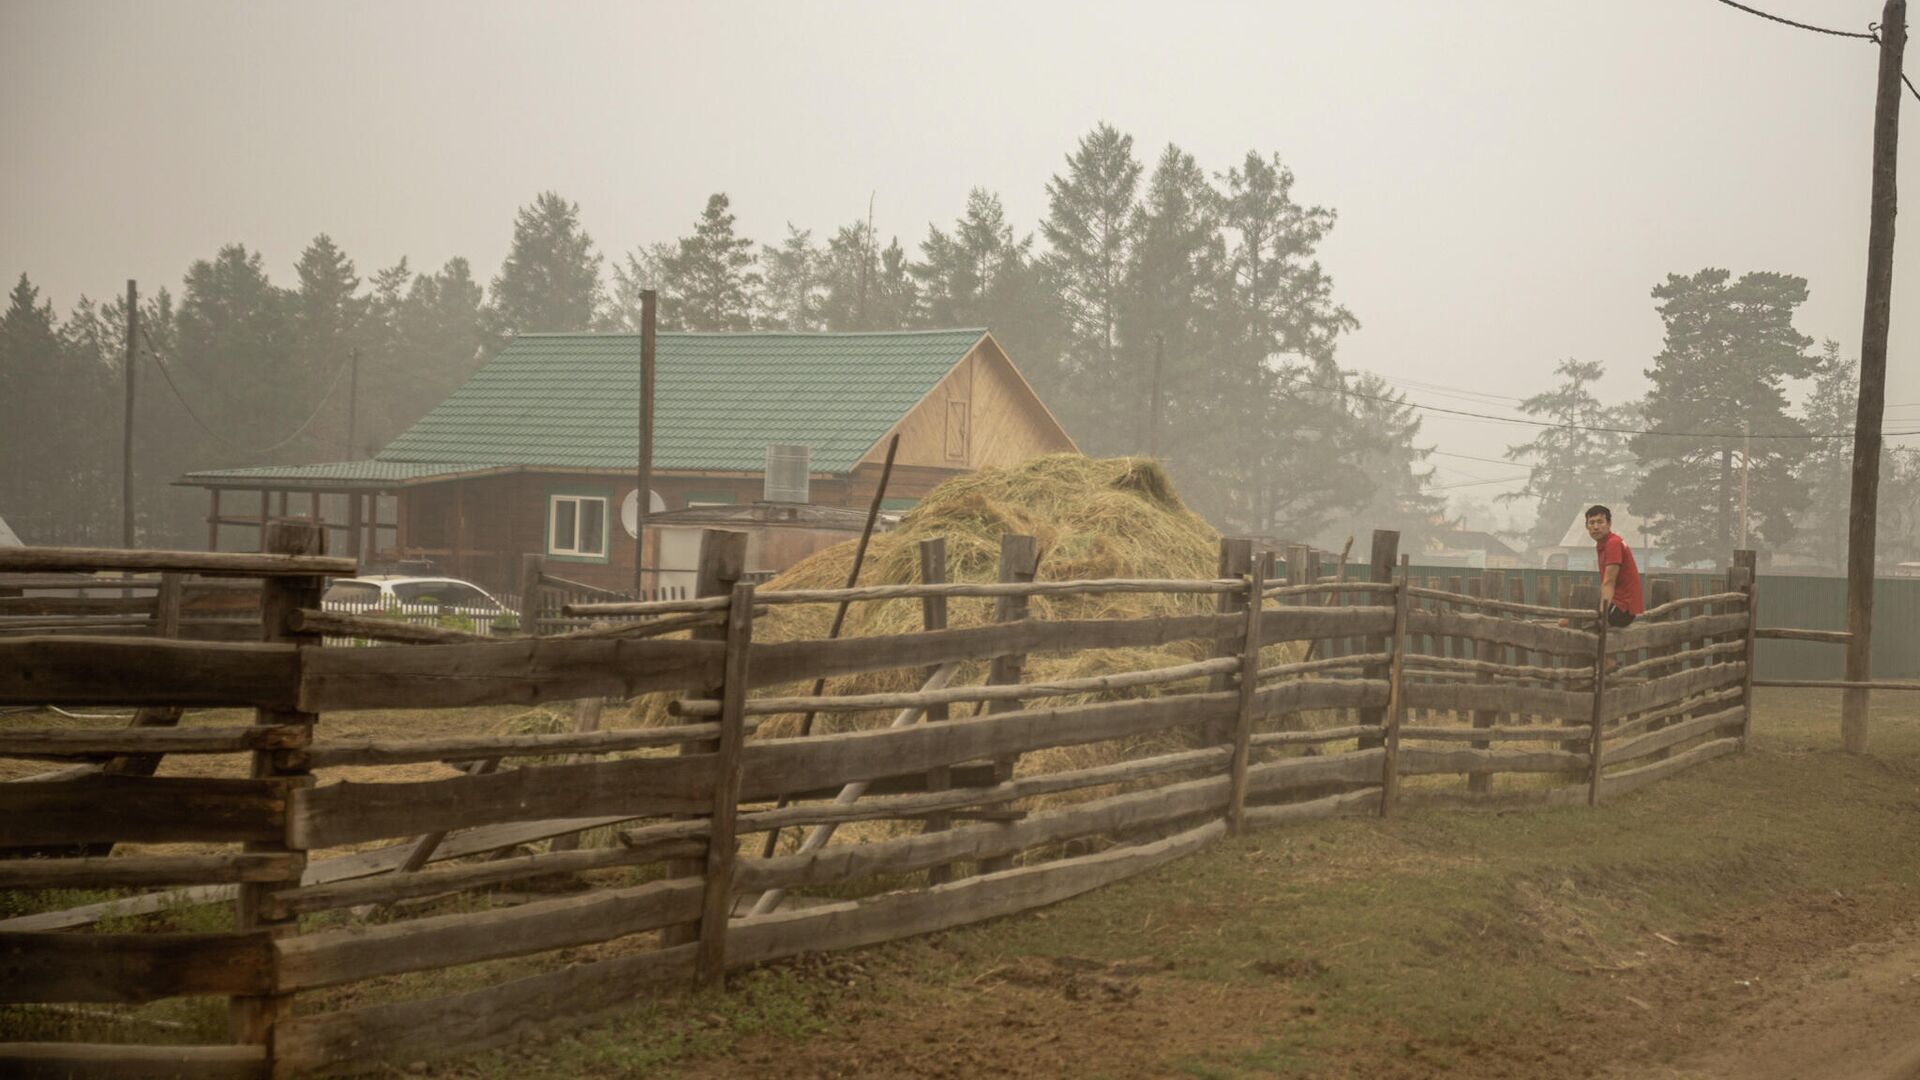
(1808, 603)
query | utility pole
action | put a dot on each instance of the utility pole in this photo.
(1746, 475)
(1862, 509)
(126, 428)
(1153, 406)
(353, 400)
(643, 499)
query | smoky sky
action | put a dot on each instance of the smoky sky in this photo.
(1511, 177)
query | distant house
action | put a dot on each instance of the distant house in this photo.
(1468, 548)
(1575, 549)
(538, 451)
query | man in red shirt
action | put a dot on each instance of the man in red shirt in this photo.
(1619, 574)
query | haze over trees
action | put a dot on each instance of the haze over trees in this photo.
(1160, 306)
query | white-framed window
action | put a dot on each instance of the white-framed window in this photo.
(577, 526)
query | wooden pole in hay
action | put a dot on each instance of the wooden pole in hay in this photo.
(1396, 696)
(710, 966)
(840, 610)
(1019, 561)
(251, 1018)
(1249, 679)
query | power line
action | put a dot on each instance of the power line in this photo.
(1470, 457)
(1872, 34)
(1344, 390)
(1800, 25)
(182, 399)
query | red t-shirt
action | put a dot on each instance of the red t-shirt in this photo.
(1610, 550)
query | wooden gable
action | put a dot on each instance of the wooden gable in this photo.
(981, 414)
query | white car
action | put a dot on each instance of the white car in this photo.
(449, 596)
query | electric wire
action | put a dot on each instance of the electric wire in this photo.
(1872, 34)
(1349, 392)
(1869, 36)
(154, 352)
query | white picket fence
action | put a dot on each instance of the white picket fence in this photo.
(472, 620)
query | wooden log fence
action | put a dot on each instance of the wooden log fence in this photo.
(1468, 681)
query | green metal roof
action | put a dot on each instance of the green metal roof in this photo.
(345, 473)
(572, 400)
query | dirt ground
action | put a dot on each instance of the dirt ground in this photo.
(1853, 1014)
(1778, 949)
(1818, 1007)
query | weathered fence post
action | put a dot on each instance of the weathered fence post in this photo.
(710, 964)
(723, 558)
(1662, 591)
(1587, 598)
(166, 606)
(1748, 561)
(1249, 682)
(530, 604)
(1236, 560)
(933, 616)
(1019, 562)
(1597, 734)
(1386, 552)
(1396, 694)
(1489, 586)
(252, 1019)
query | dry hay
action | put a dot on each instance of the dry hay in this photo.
(1092, 518)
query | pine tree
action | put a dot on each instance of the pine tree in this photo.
(1276, 445)
(34, 391)
(1172, 298)
(1091, 228)
(328, 324)
(1570, 465)
(638, 271)
(708, 282)
(1827, 471)
(233, 355)
(1730, 347)
(550, 281)
(792, 295)
(957, 273)
(850, 280)
(981, 276)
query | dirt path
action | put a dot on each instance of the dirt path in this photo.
(1853, 1014)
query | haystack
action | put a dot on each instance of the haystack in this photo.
(1092, 518)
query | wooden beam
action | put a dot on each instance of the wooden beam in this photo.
(131, 968)
(91, 670)
(156, 810)
(121, 1061)
(135, 871)
(40, 560)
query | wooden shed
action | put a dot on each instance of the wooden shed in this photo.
(537, 452)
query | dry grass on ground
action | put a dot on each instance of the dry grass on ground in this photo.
(1519, 944)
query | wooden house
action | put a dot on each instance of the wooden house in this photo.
(538, 451)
